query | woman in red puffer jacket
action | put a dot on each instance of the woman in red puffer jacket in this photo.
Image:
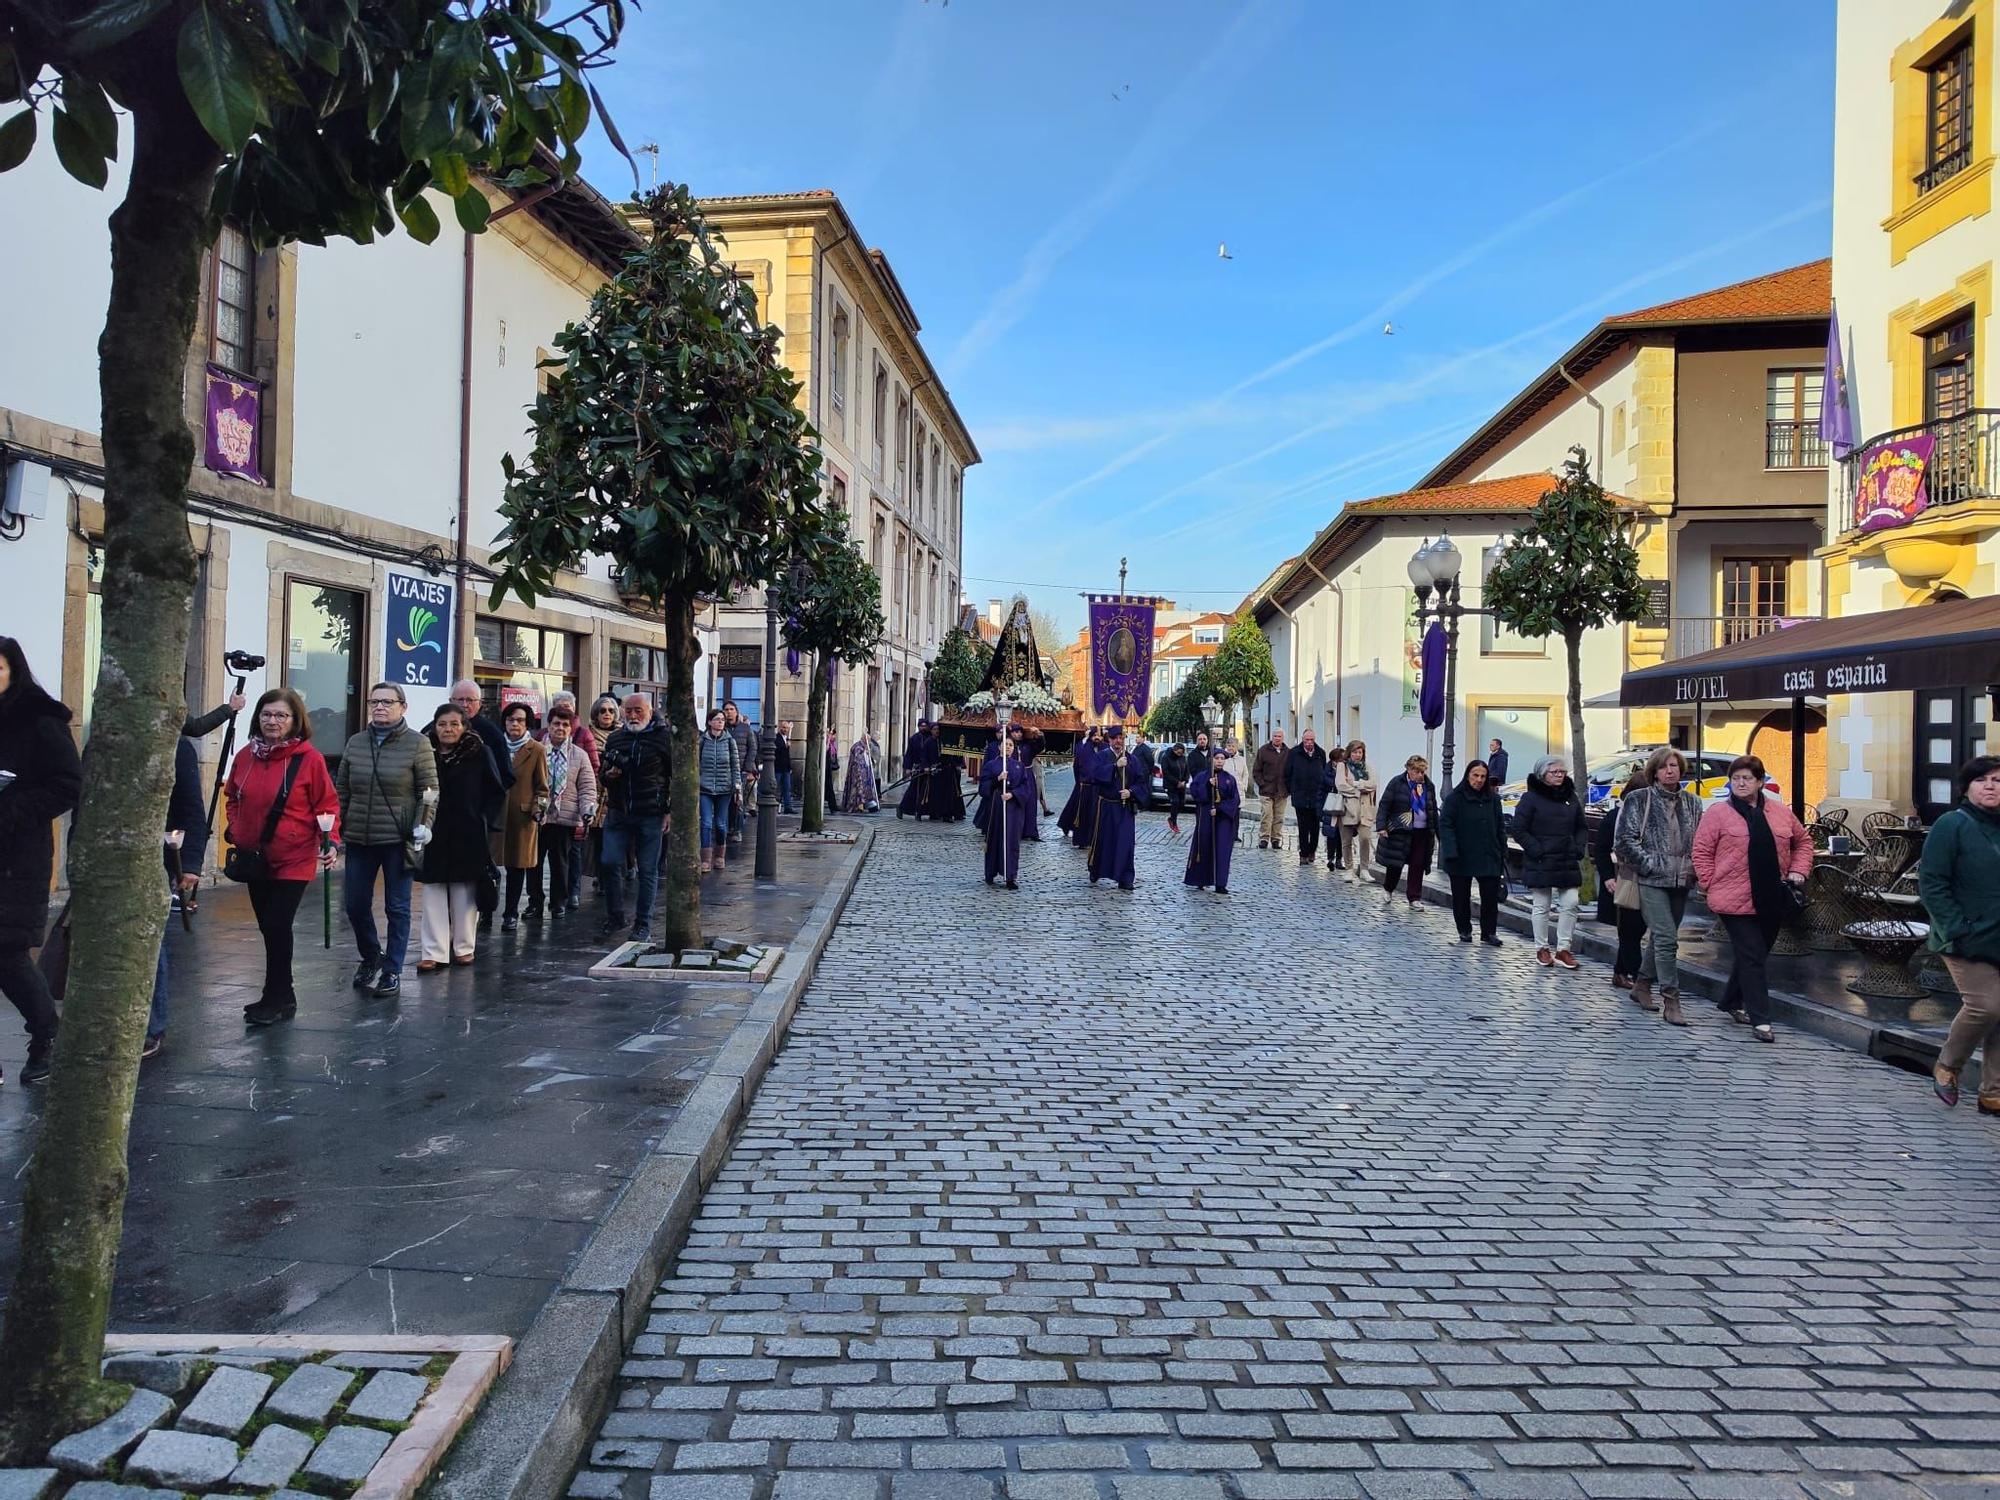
(293, 851)
(1747, 849)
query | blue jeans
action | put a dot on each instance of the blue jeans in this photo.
(156, 1018)
(641, 834)
(715, 808)
(364, 863)
(785, 789)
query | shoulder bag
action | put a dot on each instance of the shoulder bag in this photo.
(250, 862)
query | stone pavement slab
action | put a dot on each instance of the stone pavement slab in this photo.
(428, 1164)
(1321, 1202)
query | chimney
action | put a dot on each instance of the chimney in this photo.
(994, 613)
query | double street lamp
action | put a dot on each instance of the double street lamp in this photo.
(1435, 566)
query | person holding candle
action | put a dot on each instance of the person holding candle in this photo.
(277, 794)
(457, 860)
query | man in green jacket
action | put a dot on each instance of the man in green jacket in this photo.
(387, 783)
(1960, 886)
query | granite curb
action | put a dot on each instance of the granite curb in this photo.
(1882, 1040)
(537, 1421)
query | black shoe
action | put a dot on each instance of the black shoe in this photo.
(485, 921)
(1465, 936)
(575, 904)
(510, 923)
(533, 913)
(389, 983)
(1491, 940)
(1013, 886)
(641, 933)
(269, 1013)
(41, 1059)
(611, 927)
(154, 1042)
(364, 973)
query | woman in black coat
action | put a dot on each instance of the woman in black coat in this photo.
(458, 861)
(1405, 826)
(1472, 844)
(1631, 922)
(1548, 825)
(36, 751)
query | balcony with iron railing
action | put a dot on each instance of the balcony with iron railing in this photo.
(1688, 635)
(1964, 463)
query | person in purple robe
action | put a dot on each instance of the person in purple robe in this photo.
(1094, 750)
(1218, 804)
(1120, 782)
(944, 798)
(1078, 754)
(920, 758)
(1026, 747)
(1006, 788)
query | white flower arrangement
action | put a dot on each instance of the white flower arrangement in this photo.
(1027, 697)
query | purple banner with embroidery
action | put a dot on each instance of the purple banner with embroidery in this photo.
(1430, 696)
(231, 443)
(1891, 490)
(1121, 655)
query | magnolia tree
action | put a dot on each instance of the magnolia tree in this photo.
(297, 120)
(1570, 569)
(670, 440)
(830, 600)
(1178, 716)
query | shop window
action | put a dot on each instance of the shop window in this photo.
(325, 628)
(1948, 107)
(521, 664)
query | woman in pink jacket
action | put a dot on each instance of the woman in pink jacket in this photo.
(1746, 850)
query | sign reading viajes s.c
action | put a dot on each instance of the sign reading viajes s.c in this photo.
(417, 652)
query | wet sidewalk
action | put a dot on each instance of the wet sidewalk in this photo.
(423, 1164)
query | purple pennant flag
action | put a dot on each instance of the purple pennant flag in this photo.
(1836, 409)
(230, 436)
(1430, 697)
(1121, 654)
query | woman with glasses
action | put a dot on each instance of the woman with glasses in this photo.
(1356, 792)
(527, 804)
(277, 791)
(572, 805)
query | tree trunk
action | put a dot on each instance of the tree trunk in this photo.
(812, 811)
(1579, 769)
(73, 1209)
(680, 880)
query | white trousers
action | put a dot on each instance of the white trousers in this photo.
(1564, 901)
(451, 922)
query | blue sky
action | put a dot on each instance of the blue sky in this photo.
(1051, 182)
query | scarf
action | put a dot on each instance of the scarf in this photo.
(466, 745)
(264, 749)
(558, 771)
(513, 745)
(1767, 881)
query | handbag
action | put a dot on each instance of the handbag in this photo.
(250, 862)
(1626, 897)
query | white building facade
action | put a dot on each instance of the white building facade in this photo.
(388, 381)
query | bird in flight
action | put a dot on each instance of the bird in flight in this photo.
(1222, 251)
(1389, 328)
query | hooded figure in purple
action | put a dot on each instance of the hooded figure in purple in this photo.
(1120, 783)
(1006, 795)
(1218, 803)
(1079, 761)
(920, 758)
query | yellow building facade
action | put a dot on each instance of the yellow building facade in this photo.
(895, 452)
(1915, 241)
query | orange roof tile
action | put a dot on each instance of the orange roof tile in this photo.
(1514, 492)
(1800, 292)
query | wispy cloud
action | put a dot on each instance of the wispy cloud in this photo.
(1384, 310)
(1197, 96)
(896, 97)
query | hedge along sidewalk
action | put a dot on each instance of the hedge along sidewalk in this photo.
(532, 1431)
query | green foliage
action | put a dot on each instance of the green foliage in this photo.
(1241, 669)
(670, 439)
(960, 666)
(1178, 716)
(332, 117)
(1571, 568)
(830, 600)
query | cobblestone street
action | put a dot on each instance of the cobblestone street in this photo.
(1068, 1194)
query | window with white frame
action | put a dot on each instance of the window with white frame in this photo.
(881, 417)
(837, 386)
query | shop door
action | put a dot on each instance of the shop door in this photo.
(323, 658)
(1950, 729)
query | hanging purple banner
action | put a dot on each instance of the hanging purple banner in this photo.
(1891, 490)
(1121, 654)
(231, 443)
(1430, 696)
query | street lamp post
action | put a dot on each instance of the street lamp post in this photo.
(1211, 713)
(767, 741)
(1435, 566)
